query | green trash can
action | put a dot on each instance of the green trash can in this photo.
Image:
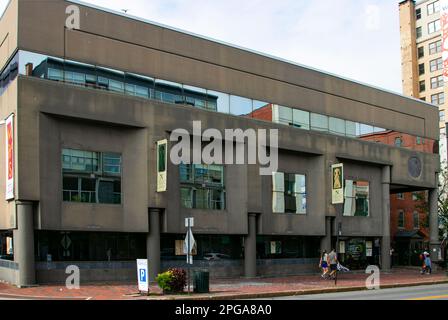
(201, 281)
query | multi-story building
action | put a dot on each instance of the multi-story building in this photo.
(421, 58)
(87, 178)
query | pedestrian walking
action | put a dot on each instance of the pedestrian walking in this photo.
(333, 262)
(428, 263)
(323, 263)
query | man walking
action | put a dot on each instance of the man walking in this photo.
(333, 262)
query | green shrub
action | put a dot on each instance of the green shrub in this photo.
(163, 280)
(173, 280)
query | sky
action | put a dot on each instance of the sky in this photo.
(356, 39)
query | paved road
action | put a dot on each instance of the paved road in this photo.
(428, 292)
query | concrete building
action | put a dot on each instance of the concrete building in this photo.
(421, 58)
(84, 176)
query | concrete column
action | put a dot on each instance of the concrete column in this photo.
(385, 200)
(325, 242)
(153, 244)
(23, 244)
(250, 247)
(434, 244)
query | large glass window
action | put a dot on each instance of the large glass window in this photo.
(433, 7)
(301, 119)
(436, 64)
(434, 26)
(400, 219)
(416, 220)
(438, 98)
(356, 198)
(289, 193)
(218, 101)
(437, 82)
(202, 186)
(435, 47)
(240, 106)
(319, 122)
(91, 177)
(337, 126)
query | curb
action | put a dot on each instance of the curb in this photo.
(298, 292)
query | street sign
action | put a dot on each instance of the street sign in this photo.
(189, 222)
(142, 274)
(189, 244)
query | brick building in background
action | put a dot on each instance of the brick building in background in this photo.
(408, 218)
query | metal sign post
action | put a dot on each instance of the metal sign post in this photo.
(189, 243)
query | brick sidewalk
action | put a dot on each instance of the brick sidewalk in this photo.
(228, 289)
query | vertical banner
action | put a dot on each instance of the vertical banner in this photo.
(444, 25)
(162, 153)
(142, 275)
(9, 152)
(337, 183)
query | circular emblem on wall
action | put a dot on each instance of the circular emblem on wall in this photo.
(414, 167)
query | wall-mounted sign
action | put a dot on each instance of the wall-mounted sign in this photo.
(9, 125)
(162, 147)
(337, 183)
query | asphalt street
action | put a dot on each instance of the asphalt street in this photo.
(428, 292)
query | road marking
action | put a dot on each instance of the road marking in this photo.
(430, 297)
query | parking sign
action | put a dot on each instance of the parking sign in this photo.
(142, 274)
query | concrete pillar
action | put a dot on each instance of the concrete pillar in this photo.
(250, 247)
(434, 244)
(23, 244)
(153, 244)
(325, 242)
(385, 200)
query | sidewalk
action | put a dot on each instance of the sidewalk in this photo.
(228, 289)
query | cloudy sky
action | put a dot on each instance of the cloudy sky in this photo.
(358, 39)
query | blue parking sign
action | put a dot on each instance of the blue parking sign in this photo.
(142, 275)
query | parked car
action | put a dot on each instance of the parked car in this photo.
(216, 256)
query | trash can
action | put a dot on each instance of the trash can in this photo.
(201, 281)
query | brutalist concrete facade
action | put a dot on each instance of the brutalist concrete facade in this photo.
(52, 115)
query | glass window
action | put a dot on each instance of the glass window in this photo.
(202, 186)
(433, 7)
(218, 101)
(418, 14)
(434, 26)
(398, 142)
(116, 86)
(437, 82)
(111, 163)
(337, 126)
(282, 115)
(362, 129)
(262, 110)
(436, 64)
(356, 198)
(197, 97)
(319, 122)
(421, 69)
(400, 196)
(438, 98)
(401, 219)
(416, 219)
(301, 119)
(418, 32)
(422, 86)
(55, 74)
(169, 92)
(435, 47)
(291, 191)
(240, 106)
(350, 129)
(442, 115)
(83, 181)
(421, 52)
